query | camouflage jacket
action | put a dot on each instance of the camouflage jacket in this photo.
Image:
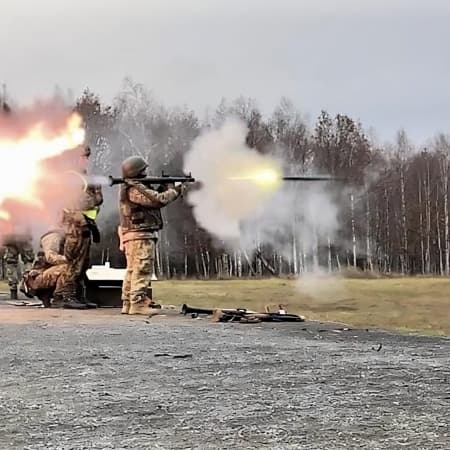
(52, 244)
(146, 197)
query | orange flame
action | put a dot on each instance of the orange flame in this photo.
(21, 157)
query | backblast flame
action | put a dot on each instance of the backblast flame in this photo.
(21, 157)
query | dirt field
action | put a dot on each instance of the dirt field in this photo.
(98, 380)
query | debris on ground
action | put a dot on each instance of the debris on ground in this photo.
(241, 315)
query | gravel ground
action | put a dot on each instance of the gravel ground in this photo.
(98, 380)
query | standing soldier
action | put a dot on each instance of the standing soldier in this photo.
(140, 220)
(18, 244)
(80, 230)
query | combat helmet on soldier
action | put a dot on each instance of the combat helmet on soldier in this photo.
(136, 217)
(134, 167)
(140, 220)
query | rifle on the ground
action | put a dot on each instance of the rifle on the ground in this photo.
(240, 315)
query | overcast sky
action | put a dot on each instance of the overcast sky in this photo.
(386, 62)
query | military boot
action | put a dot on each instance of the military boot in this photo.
(70, 300)
(89, 305)
(125, 306)
(57, 302)
(141, 306)
(46, 300)
(74, 304)
(81, 294)
(144, 306)
(13, 294)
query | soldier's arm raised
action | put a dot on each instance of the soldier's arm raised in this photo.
(142, 195)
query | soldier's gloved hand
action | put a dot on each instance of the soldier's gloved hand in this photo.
(181, 189)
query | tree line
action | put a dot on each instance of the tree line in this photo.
(393, 215)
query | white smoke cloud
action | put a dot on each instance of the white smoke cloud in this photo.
(245, 214)
(217, 158)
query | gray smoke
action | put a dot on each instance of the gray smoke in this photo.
(221, 160)
(246, 214)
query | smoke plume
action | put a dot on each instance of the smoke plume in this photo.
(243, 201)
(222, 161)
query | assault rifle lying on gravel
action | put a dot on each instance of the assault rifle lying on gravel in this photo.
(241, 315)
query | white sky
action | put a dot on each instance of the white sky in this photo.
(384, 62)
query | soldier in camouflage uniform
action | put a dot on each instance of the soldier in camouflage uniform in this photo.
(43, 282)
(80, 230)
(140, 220)
(66, 249)
(17, 245)
(47, 278)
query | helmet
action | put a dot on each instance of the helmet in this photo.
(133, 167)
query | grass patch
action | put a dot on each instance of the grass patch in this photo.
(404, 304)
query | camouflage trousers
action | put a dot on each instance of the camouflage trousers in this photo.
(44, 282)
(12, 253)
(140, 255)
(76, 250)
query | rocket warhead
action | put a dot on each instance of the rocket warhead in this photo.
(272, 177)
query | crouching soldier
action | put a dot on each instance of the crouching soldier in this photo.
(43, 281)
(140, 220)
(51, 273)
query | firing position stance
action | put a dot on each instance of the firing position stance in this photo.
(140, 220)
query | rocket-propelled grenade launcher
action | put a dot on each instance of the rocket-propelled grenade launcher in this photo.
(263, 177)
(163, 179)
